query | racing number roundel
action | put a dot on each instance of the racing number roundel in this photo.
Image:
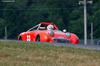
(28, 38)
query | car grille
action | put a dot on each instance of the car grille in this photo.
(61, 40)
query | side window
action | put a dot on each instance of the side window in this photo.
(43, 27)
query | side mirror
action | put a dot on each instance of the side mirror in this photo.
(64, 30)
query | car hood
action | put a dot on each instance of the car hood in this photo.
(59, 34)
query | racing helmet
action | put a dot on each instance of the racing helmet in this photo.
(50, 27)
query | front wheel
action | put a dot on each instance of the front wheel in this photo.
(38, 38)
(20, 38)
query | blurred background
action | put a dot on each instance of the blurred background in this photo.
(17, 16)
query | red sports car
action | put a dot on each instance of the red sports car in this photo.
(48, 32)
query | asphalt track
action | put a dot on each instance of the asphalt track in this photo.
(90, 47)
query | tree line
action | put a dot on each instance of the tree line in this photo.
(21, 15)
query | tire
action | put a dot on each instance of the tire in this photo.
(20, 38)
(38, 38)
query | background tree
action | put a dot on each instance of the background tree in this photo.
(21, 15)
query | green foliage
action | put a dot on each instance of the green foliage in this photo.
(67, 14)
(14, 53)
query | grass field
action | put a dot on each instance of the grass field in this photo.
(14, 53)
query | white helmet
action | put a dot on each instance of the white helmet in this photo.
(50, 27)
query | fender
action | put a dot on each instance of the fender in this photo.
(44, 37)
(74, 39)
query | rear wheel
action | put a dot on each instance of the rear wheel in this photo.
(38, 38)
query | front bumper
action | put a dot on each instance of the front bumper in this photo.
(58, 40)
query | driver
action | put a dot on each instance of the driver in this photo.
(50, 27)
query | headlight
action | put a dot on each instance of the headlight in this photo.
(51, 32)
(68, 34)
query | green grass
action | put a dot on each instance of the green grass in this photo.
(17, 54)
